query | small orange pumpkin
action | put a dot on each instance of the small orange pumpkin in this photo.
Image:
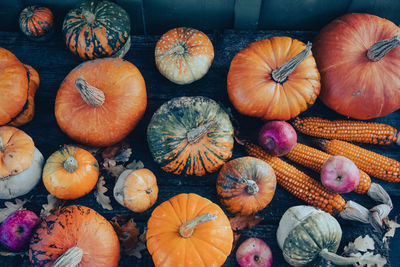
(189, 230)
(136, 190)
(184, 55)
(70, 172)
(74, 236)
(101, 101)
(36, 22)
(246, 185)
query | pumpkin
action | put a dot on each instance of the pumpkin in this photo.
(70, 172)
(136, 190)
(74, 236)
(190, 135)
(101, 101)
(184, 55)
(20, 163)
(189, 230)
(307, 235)
(246, 185)
(97, 29)
(273, 79)
(358, 58)
(36, 22)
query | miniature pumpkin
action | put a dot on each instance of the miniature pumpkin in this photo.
(246, 185)
(190, 135)
(189, 230)
(184, 55)
(101, 101)
(136, 190)
(307, 235)
(273, 79)
(97, 29)
(70, 172)
(36, 22)
(358, 58)
(76, 236)
(20, 163)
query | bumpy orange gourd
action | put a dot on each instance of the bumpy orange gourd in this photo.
(70, 172)
(246, 185)
(101, 101)
(72, 232)
(189, 230)
(184, 55)
(273, 79)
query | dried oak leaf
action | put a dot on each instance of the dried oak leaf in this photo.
(135, 165)
(360, 244)
(11, 208)
(111, 151)
(123, 155)
(129, 237)
(392, 229)
(240, 222)
(369, 259)
(53, 204)
(101, 198)
(112, 168)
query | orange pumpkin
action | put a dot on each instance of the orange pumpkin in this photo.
(246, 185)
(70, 172)
(274, 79)
(359, 60)
(136, 190)
(76, 236)
(101, 101)
(189, 230)
(184, 55)
(36, 22)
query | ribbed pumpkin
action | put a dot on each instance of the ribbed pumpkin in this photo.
(190, 135)
(36, 22)
(101, 101)
(70, 172)
(75, 236)
(358, 58)
(246, 185)
(184, 55)
(189, 230)
(136, 190)
(97, 28)
(274, 79)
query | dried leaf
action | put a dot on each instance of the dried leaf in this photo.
(240, 222)
(111, 151)
(113, 169)
(360, 244)
(11, 208)
(121, 217)
(135, 165)
(90, 149)
(124, 155)
(392, 229)
(129, 237)
(53, 204)
(369, 259)
(136, 251)
(12, 254)
(101, 198)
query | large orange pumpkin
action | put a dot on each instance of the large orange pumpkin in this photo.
(101, 101)
(274, 79)
(77, 236)
(189, 230)
(358, 58)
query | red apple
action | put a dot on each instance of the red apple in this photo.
(339, 174)
(17, 228)
(254, 253)
(277, 137)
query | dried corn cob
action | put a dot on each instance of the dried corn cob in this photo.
(314, 159)
(347, 130)
(370, 162)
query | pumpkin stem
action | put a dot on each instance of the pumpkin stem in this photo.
(2, 148)
(186, 229)
(90, 17)
(378, 50)
(93, 96)
(336, 259)
(252, 187)
(377, 193)
(71, 164)
(148, 191)
(71, 258)
(195, 134)
(281, 74)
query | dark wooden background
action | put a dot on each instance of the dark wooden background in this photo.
(53, 62)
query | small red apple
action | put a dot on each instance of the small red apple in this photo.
(339, 174)
(254, 253)
(277, 137)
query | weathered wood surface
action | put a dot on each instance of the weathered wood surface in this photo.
(53, 62)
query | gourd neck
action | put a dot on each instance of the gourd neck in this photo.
(89, 16)
(93, 96)
(252, 187)
(336, 259)
(70, 164)
(378, 50)
(71, 258)
(194, 135)
(186, 230)
(281, 74)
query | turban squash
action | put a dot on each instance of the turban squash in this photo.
(36, 22)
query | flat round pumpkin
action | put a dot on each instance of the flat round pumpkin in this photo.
(101, 101)
(190, 135)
